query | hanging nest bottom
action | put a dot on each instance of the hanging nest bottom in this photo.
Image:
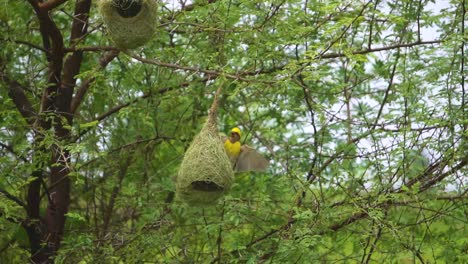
(200, 198)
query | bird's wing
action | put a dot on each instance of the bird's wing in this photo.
(250, 160)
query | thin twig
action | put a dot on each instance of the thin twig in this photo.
(238, 76)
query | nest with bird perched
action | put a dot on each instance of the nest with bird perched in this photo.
(130, 23)
(206, 171)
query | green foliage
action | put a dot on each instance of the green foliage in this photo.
(361, 109)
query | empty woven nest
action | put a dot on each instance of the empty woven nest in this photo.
(130, 23)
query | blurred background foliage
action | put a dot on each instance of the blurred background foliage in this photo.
(359, 105)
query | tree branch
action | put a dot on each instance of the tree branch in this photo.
(345, 30)
(432, 181)
(92, 48)
(116, 109)
(32, 45)
(364, 214)
(10, 149)
(107, 214)
(197, 70)
(13, 198)
(189, 7)
(8, 244)
(358, 216)
(387, 91)
(353, 218)
(157, 138)
(80, 93)
(73, 63)
(51, 4)
(53, 42)
(391, 47)
(430, 170)
(338, 153)
(16, 93)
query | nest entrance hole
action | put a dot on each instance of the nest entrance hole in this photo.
(127, 8)
(206, 186)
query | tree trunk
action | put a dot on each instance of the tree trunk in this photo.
(45, 232)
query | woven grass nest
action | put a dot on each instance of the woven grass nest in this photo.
(130, 23)
(206, 172)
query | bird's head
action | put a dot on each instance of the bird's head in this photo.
(235, 135)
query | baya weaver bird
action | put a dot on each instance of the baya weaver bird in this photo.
(243, 157)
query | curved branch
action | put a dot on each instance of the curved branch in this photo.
(32, 45)
(13, 198)
(17, 94)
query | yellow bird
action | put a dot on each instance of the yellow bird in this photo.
(243, 157)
